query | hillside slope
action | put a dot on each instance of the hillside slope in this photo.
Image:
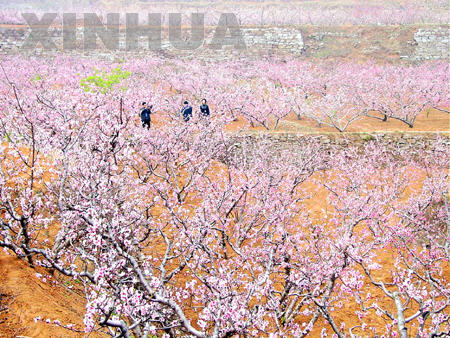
(27, 296)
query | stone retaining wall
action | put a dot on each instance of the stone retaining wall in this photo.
(432, 43)
(258, 42)
(274, 145)
(414, 43)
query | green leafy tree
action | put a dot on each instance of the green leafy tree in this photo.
(103, 82)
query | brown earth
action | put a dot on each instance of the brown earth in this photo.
(31, 297)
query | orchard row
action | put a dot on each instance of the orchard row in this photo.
(331, 93)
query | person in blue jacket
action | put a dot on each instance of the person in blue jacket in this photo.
(145, 115)
(204, 108)
(186, 111)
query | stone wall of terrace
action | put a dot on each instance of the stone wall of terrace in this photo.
(432, 43)
(390, 43)
(275, 144)
(258, 42)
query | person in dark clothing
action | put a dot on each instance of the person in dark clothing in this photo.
(145, 115)
(204, 108)
(186, 111)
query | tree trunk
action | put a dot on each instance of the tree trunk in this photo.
(400, 316)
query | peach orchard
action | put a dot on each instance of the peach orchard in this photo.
(168, 233)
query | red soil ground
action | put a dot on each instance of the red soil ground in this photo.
(30, 297)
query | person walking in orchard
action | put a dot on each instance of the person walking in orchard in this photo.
(204, 108)
(145, 115)
(186, 111)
